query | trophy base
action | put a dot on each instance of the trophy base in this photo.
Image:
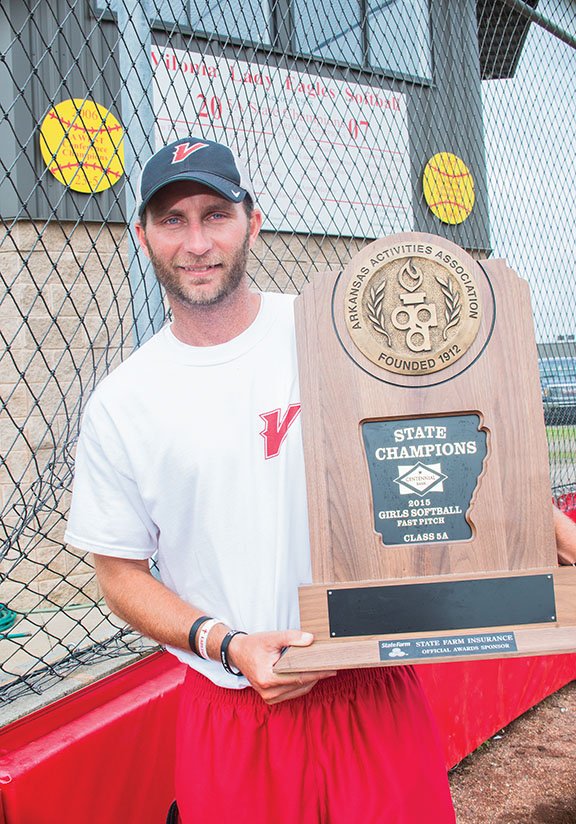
(417, 622)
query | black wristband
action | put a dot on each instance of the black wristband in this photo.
(224, 651)
(193, 630)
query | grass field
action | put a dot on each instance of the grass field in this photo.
(562, 443)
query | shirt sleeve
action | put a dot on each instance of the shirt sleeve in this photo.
(107, 514)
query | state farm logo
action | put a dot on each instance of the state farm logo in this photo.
(412, 308)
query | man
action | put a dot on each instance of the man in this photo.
(192, 449)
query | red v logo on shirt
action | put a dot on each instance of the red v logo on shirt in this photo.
(276, 430)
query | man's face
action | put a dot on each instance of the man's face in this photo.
(198, 242)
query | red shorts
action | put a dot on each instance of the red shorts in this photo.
(360, 747)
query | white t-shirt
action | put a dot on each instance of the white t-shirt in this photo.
(196, 453)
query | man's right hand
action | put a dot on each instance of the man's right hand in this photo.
(255, 655)
(149, 606)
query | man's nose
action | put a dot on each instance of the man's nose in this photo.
(197, 240)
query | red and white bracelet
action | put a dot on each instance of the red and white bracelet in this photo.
(203, 633)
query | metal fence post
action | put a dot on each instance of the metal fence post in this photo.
(138, 115)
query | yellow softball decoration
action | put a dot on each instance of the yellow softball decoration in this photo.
(82, 145)
(448, 187)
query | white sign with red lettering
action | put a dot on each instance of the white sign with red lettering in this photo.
(325, 156)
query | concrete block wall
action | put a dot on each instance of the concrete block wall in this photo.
(65, 321)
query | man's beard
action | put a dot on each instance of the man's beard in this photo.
(235, 269)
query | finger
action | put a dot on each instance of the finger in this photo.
(295, 684)
(295, 638)
(288, 695)
(304, 677)
(273, 684)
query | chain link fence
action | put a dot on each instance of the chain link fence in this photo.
(356, 120)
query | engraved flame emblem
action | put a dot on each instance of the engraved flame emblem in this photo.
(410, 277)
(414, 316)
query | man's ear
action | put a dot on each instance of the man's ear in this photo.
(255, 225)
(141, 235)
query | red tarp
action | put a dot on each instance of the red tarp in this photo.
(105, 754)
(473, 700)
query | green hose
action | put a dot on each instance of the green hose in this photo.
(8, 619)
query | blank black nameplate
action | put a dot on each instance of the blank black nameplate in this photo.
(445, 605)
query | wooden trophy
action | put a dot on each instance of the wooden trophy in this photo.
(429, 497)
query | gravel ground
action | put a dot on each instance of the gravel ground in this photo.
(527, 773)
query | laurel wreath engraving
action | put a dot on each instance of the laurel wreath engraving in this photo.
(376, 312)
(453, 305)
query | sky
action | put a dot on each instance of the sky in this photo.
(530, 130)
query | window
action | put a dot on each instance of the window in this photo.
(334, 33)
(393, 36)
(399, 37)
(240, 19)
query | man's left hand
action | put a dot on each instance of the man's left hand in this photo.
(565, 529)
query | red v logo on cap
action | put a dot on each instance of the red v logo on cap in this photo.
(276, 430)
(184, 150)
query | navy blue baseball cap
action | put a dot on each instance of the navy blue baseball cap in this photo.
(193, 158)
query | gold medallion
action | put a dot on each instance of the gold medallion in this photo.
(413, 308)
